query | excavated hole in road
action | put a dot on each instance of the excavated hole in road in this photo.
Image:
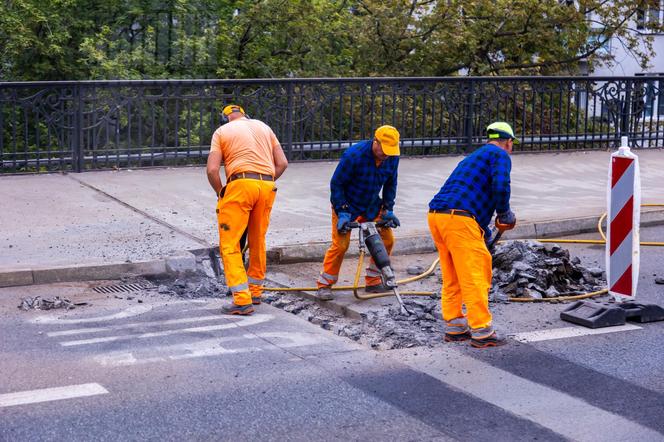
(521, 268)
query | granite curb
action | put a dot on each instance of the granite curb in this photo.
(294, 253)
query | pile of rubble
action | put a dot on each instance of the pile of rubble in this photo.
(193, 286)
(39, 303)
(531, 269)
(384, 329)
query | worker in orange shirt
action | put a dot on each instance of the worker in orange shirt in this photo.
(253, 160)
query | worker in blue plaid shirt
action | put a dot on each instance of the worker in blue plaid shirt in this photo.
(364, 169)
(459, 217)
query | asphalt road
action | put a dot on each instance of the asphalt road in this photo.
(166, 370)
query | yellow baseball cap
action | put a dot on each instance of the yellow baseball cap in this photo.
(232, 108)
(389, 140)
(500, 130)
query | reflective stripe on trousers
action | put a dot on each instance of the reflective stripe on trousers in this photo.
(246, 205)
(466, 266)
(456, 326)
(324, 279)
(335, 254)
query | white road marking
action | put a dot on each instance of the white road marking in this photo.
(126, 313)
(211, 347)
(78, 331)
(564, 414)
(50, 394)
(570, 332)
(243, 322)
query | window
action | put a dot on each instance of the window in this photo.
(648, 17)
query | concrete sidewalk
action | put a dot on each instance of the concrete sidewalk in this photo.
(131, 221)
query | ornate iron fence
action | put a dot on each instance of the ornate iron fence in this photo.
(78, 126)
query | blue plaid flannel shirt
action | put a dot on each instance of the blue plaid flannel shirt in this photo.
(480, 184)
(356, 182)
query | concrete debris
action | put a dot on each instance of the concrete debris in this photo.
(659, 280)
(195, 287)
(39, 303)
(415, 270)
(531, 269)
(383, 329)
(201, 283)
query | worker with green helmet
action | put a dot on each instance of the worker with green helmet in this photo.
(459, 217)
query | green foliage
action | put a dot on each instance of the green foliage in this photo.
(131, 39)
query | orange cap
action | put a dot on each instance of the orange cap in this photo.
(389, 140)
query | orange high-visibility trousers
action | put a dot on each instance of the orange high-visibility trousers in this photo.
(466, 266)
(335, 255)
(246, 204)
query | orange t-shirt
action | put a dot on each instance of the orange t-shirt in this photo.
(246, 146)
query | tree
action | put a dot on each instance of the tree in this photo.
(94, 39)
(484, 37)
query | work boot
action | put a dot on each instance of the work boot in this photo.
(256, 300)
(490, 341)
(380, 288)
(234, 309)
(325, 293)
(457, 337)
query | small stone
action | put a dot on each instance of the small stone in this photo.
(551, 292)
(659, 280)
(415, 270)
(596, 272)
(522, 266)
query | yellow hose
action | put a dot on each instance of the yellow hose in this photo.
(431, 269)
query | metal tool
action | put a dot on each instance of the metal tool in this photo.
(498, 233)
(369, 239)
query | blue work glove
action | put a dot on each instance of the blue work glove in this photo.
(389, 217)
(506, 219)
(342, 222)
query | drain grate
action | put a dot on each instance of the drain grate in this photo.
(123, 288)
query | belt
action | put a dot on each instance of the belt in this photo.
(251, 176)
(453, 212)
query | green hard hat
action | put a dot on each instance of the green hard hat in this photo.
(500, 130)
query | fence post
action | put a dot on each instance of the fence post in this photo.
(289, 121)
(468, 123)
(625, 111)
(77, 135)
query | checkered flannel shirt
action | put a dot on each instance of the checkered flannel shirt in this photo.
(480, 184)
(356, 182)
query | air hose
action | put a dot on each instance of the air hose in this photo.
(433, 265)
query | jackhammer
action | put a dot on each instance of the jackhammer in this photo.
(369, 239)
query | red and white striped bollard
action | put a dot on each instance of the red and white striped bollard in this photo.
(622, 245)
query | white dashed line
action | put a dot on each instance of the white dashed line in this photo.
(78, 331)
(50, 394)
(245, 321)
(570, 332)
(564, 414)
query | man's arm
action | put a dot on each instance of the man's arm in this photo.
(500, 181)
(214, 164)
(390, 189)
(280, 161)
(339, 179)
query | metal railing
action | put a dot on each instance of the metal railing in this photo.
(78, 126)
